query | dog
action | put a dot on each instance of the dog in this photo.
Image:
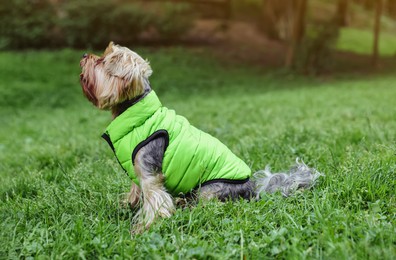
(161, 152)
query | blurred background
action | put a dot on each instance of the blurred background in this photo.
(307, 36)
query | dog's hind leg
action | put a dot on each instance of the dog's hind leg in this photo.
(157, 202)
(226, 190)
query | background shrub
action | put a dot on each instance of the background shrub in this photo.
(26, 24)
(128, 21)
(88, 24)
(173, 20)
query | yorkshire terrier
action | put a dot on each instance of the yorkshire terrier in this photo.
(162, 153)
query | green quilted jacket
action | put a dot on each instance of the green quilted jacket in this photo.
(192, 157)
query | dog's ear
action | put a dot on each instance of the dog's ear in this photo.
(109, 49)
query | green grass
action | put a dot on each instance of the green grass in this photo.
(361, 41)
(60, 184)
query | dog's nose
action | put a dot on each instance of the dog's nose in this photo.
(85, 55)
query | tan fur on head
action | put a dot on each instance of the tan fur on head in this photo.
(119, 75)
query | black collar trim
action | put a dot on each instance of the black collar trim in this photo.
(130, 102)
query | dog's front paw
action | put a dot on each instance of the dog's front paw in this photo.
(132, 198)
(127, 201)
(123, 200)
(140, 223)
(137, 229)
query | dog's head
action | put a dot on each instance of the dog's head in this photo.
(118, 75)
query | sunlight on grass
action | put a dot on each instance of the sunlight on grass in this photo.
(361, 41)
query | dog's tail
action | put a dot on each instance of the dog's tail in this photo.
(299, 176)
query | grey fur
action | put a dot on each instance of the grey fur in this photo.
(298, 177)
(226, 190)
(151, 155)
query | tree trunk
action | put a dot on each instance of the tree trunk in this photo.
(298, 10)
(377, 28)
(391, 8)
(270, 19)
(342, 13)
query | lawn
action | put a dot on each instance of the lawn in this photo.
(361, 41)
(61, 185)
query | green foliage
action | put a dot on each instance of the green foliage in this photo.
(128, 21)
(172, 21)
(87, 24)
(60, 183)
(26, 24)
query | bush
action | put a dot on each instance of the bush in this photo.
(128, 22)
(86, 23)
(26, 24)
(173, 20)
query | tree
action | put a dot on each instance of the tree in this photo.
(391, 8)
(342, 13)
(377, 28)
(367, 4)
(270, 19)
(298, 11)
(273, 13)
